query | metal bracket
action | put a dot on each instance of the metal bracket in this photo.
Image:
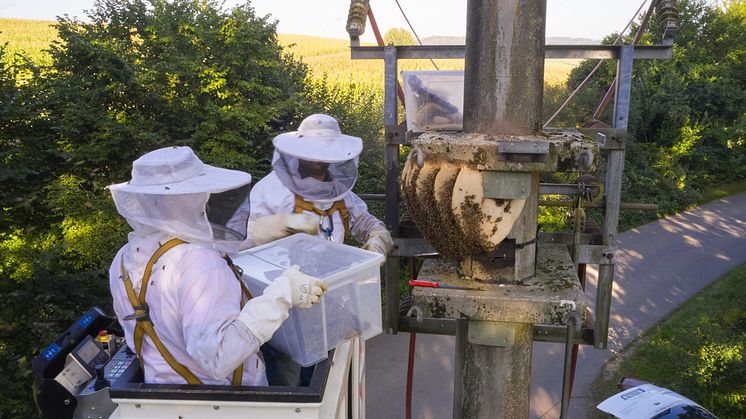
(491, 333)
(506, 185)
(567, 238)
(428, 325)
(416, 52)
(557, 334)
(412, 247)
(396, 134)
(608, 138)
(523, 151)
(591, 254)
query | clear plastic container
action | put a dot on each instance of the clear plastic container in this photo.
(351, 306)
(434, 100)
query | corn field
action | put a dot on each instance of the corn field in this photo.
(324, 56)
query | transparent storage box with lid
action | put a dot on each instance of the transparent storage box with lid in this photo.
(351, 306)
(434, 100)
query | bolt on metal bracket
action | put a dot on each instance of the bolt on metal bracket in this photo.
(417, 311)
(608, 256)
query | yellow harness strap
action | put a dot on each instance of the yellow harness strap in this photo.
(144, 325)
(245, 297)
(303, 205)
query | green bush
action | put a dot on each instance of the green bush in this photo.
(133, 79)
(135, 76)
(687, 120)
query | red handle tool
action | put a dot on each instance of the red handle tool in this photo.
(436, 284)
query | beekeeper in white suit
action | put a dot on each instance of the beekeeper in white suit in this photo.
(314, 170)
(175, 291)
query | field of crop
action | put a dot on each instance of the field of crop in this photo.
(28, 36)
(324, 56)
(332, 56)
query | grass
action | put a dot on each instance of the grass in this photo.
(714, 192)
(698, 351)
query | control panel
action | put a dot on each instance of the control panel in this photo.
(52, 358)
(71, 363)
(80, 365)
(122, 366)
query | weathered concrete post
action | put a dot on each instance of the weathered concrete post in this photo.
(503, 89)
(504, 66)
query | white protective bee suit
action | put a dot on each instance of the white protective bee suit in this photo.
(193, 298)
(286, 190)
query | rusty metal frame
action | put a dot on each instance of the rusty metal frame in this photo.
(455, 52)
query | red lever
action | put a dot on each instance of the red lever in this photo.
(436, 284)
(418, 283)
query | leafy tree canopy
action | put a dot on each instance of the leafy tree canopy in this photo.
(687, 126)
(134, 76)
(398, 36)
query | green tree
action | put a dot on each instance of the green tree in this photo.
(143, 74)
(134, 76)
(695, 104)
(686, 126)
(26, 160)
(398, 36)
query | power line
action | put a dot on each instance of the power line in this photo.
(413, 31)
(600, 62)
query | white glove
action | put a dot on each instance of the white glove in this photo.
(264, 314)
(302, 223)
(306, 289)
(379, 240)
(272, 227)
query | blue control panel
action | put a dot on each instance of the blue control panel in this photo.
(84, 321)
(50, 351)
(59, 348)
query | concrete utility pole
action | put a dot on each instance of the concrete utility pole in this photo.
(503, 91)
(504, 66)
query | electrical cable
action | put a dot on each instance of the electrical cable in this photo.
(612, 88)
(413, 31)
(600, 62)
(410, 373)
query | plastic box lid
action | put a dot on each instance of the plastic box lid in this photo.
(323, 259)
(434, 100)
(350, 307)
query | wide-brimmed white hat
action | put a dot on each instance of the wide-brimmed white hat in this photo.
(319, 139)
(177, 170)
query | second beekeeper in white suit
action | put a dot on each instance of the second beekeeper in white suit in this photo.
(314, 170)
(176, 293)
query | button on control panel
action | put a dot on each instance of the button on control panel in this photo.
(123, 365)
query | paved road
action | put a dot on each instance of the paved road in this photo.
(660, 265)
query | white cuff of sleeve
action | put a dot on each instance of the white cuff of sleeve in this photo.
(264, 314)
